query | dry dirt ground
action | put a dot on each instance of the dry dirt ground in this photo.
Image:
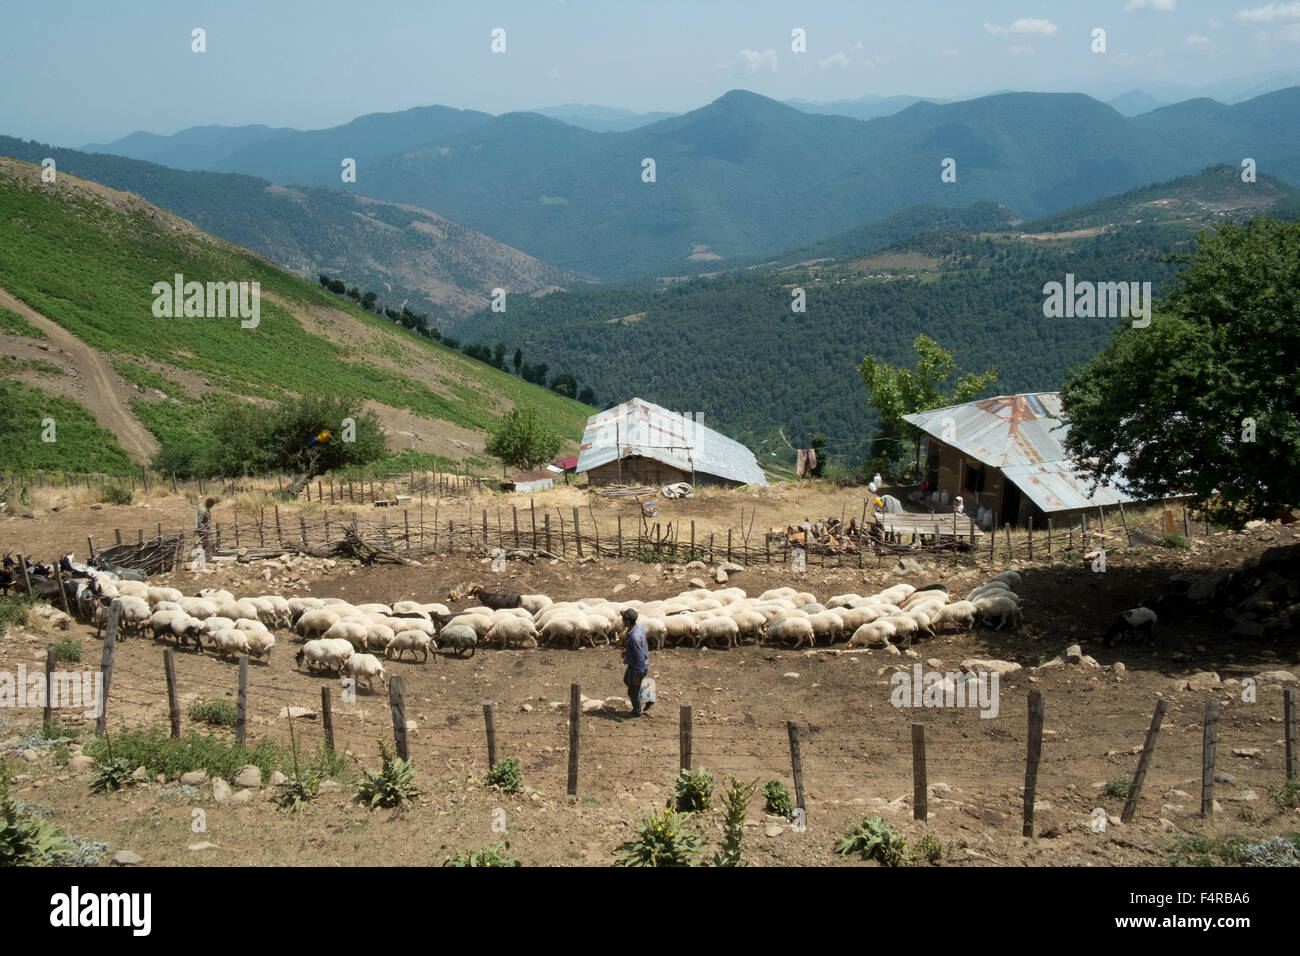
(856, 746)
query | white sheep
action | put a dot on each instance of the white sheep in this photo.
(1012, 578)
(410, 641)
(962, 614)
(681, 627)
(827, 624)
(482, 623)
(534, 602)
(896, 594)
(718, 628)
(327, 654)
(260, 644)
(508, 630)
(875, 634)
(352, 631)
(156, 594)
(656, 632)
(905, 626)
(198, 607)
(793, 628)
(367, 667)
(576, 627)
(215, 595)
(998, 608)
(229, 640)
(315, 621)
(135, 613)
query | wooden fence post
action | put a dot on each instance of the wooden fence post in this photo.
(575, 708)
(532, 510)
(796, 765)
(397, 706)
(241, 702)
(1033, 754)
(1288, 724)
(620, 536)
(577, 531)
(684, 736)
(27, 581)
(50, 662)
(173, 702)
(58, 576)
(1144, 759)
(1049, 536)
(1209, 741)
(106, 664)
(327, 716)
(920, 791)
(490, 721)
(547, 521)
(406, 523)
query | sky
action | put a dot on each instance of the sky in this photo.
(88, 71)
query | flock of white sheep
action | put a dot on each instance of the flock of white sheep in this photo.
(341, 637)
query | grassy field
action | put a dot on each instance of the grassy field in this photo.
(90, 266)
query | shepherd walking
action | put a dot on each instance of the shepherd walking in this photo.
(636, 655)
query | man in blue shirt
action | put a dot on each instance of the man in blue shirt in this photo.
(636, 655)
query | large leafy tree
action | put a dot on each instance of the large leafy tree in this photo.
(521, 440)
(896, 392)
(1205, 400)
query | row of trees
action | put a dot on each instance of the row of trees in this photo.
(562, 383)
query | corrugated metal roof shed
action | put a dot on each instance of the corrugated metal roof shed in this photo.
(539, 479)
(1001, 431)
(639, 428)
(1022, 435)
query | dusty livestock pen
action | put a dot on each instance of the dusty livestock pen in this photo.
(855, 744)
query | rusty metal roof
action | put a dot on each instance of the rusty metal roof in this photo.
(1001, 431)
(639, 428)
(1023, 436)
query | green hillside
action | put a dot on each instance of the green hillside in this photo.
(731, 347)
(87, 257)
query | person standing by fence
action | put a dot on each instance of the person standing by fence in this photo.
(203, 523)
(636, 655)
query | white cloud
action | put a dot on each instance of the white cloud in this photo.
(755, 62)
(835, 59)
(1155, 54)
(1023, 25)
(1215, 24)
(1270, 13)
(948, 53)
(1021, 50)
(1159, 6)
(1196, 40)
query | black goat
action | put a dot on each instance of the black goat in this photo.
(496, 602)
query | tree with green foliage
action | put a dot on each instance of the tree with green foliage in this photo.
(499, 355)
(565, 385)
(521, 440)
(519, 359)
(1204, 399)
(587, 396)
(896, 392)
(818, 444)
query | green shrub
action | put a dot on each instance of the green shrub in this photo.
(1174, 541)
(927, 848)
(26, 840)
(1287, 796)
(391, 785)
(116, 493)
(494, 855)
(14, 608)
(874, 839)
(217, 713)
(158, 753)
(733, 826)
(505, 775)
(661, 841)
(1278, 851)
(110, 775)
(1117, 789)
(693, 790)
(777, 799)
(68, 650)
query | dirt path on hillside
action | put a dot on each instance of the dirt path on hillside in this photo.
(101, 390)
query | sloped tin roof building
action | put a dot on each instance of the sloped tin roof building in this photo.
(1007, 454)
(641, 443)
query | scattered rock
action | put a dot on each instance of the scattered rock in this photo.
(330, 785)
(907, 564)
(1276, 677)
(220, 790)
(31, 756)
(1119, 668)
(934, 664)
(891, 649)
(80, 763)
(1001, 668)
(720, 576)
(277, 779)
(243, 796)
(633, 578)
(194, 778)
(698, 583)
(1224, 778)
(195, 847)
(774, 826)
(1074, 654)
(527, 708)
(127, 858)
(297, 712)
(248, 776)
(792, 674)
(1245, 752)
(1204, 680)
